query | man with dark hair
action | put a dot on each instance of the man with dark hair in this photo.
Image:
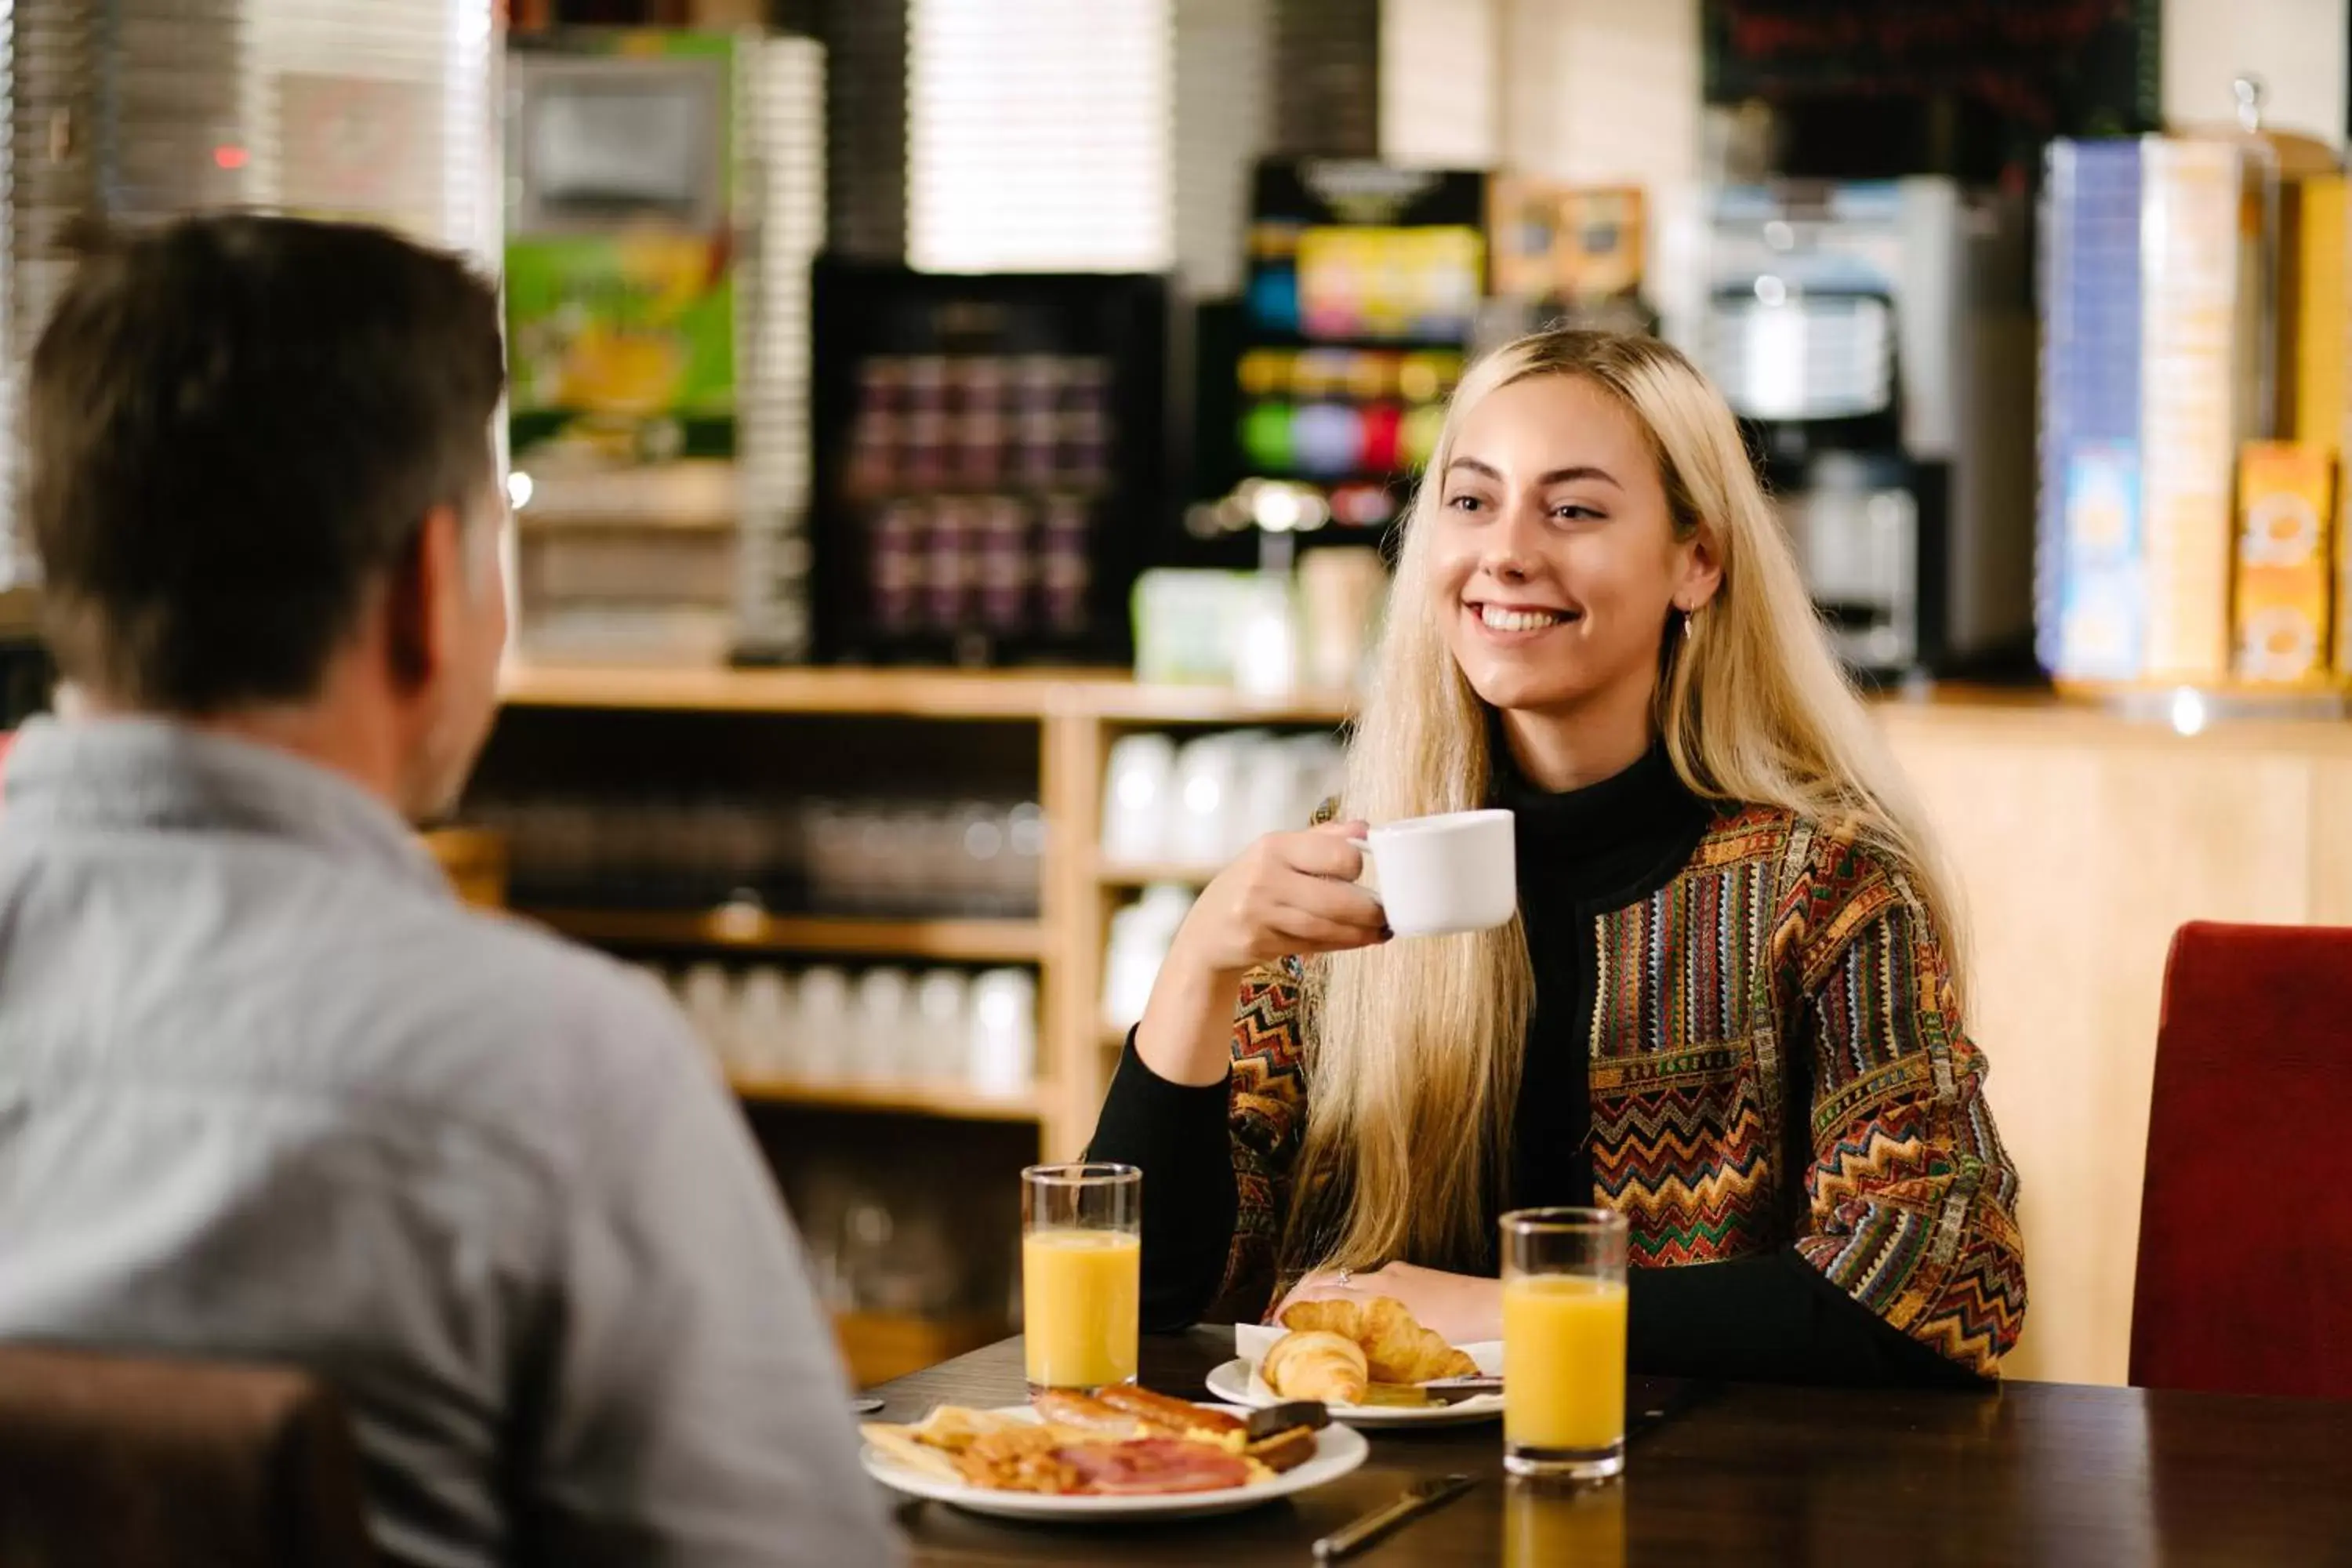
(266, 1089)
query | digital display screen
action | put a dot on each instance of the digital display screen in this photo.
(610, 145)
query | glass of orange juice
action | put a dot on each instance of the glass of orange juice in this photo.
(1564, 1343)
(1081, 1274)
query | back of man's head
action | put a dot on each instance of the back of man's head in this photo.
(236, 427)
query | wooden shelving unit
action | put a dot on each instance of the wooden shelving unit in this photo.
(946, 1099)
(1127, 705)
(1138, 874)
(1100, 696)
(881, 693)
(1076, 716)
(743, 928)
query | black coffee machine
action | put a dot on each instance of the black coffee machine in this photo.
(1876, 341)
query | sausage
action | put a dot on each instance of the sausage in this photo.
(1088, 1414)
(1170, 1414)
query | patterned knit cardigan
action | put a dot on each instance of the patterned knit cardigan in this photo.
(1779, 935)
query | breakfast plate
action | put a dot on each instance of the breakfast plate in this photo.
(1237, 1383)
(1338, 1451)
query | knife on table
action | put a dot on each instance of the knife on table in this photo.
(1418, 1499)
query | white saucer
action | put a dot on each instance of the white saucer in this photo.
(1237, 1382)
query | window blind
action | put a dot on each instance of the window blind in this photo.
(1595, 92)
(381, 110)
(1040, 135)
(1440, 107)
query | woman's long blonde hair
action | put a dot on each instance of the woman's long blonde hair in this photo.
(1414, 1047)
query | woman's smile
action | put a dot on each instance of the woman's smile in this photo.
(1517, 625)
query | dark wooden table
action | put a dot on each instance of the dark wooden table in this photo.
(2037, 1473)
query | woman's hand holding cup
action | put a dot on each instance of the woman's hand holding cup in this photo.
(1288, 893)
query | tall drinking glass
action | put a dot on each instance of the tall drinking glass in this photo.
(1081, 1274)
(1564, 1343)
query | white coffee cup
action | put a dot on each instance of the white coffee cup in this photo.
(1002, 1051)
(763, 1024)
(943, 1023)
(707, 993)
(1436, 875)
(824, 1023)
(1137, 790)
(882, 1000)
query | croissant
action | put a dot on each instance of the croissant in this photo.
(1323, 1317)
(1317, 1365)
(1401, 1351)
(1396, 1347)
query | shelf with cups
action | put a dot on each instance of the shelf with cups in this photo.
(633, 799)
(937, 1041)
(746, 928)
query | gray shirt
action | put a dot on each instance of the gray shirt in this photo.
(268, 1090)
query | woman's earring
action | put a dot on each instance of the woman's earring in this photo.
(1690, 624)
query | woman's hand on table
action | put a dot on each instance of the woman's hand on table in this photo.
(1462, 1308)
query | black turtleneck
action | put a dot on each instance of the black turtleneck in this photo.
(1582, 854)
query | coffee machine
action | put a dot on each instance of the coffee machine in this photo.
(1876, 341)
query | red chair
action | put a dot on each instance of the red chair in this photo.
(2245, 1225)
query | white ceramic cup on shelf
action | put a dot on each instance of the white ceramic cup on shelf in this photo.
(763, 1024)
(1201, 827)
(943, 1022)
(1138, 787)
(707, 993)
(884, 1027)
(822, 1023)
(1002, 1050)
(1439, 875)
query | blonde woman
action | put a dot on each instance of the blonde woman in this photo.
(1729, 1007)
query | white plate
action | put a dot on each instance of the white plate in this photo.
(1237, 1380)
(1337, 1451)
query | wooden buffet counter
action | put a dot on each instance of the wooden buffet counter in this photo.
(2082, 840)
